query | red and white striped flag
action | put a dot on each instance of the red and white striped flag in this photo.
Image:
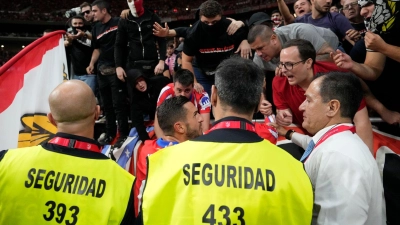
(25, 84)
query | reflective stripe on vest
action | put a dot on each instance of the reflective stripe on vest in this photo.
(38, 186)
(228, 183)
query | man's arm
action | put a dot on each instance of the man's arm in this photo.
(160, 31)
(323, 44)
(288, 18)
(121, 41)
(364, 127)
(370, 70)
(89, 35)
(95, 57)
(187, 64)
(390, 117)
(162, 43)
(283, 113)
(234, 26)
(323, 54)
(284, 117)
(137, 119)
(345, 28)
(376, 43)
(162, 46)
(301, 140)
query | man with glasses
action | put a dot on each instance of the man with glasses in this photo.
(79, 49)
(351, 11)
(298, 65)
(86, 11)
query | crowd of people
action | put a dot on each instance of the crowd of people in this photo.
(55, 10)
(320, 70)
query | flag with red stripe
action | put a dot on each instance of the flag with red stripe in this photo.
(25, 84)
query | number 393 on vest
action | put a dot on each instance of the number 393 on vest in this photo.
(228, 176)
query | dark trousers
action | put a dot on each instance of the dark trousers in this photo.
(115, 103)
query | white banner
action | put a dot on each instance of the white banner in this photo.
(25, 84)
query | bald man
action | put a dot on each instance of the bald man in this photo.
(66, 180)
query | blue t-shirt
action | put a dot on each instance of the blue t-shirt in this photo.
(336, 22)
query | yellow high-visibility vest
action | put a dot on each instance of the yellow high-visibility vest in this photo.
(226, 183)
(38, 186)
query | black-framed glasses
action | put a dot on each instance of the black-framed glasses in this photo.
(289, 65)
(86, 12)
(350, 5)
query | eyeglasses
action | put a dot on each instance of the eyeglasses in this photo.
(289, 65)
(350, 5)
(86, 12)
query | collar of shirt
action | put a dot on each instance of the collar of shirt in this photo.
(163, 143)
(320, 133)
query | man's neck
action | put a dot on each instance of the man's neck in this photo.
(87, 133)
(106, 19)
(173, 138)
(316, 14)
(338, 120)
(227, 113)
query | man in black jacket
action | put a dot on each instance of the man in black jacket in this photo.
(78, 46)
(112, 90)
(208, 42)
(143, 93)
(136, 32)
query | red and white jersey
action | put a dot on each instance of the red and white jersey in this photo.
(200, 100)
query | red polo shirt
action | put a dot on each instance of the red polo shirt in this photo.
(286, 96)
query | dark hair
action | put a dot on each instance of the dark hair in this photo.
(344, 87)
(48, 31)
(84, 4)
(78, 17)
(306, 49)
(276, 11)
(184, 76)
(170, 44)
(170, 112)
(102, 4)
(210, 9)
(263, 31)
(239, 84)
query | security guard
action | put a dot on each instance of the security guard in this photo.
(229, 175)
(67, 180)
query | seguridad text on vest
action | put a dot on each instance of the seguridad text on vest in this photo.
(67, 183)
(231, 176)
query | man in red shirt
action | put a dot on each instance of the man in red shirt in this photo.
(298, 67)
(184, 85)
(180, 121)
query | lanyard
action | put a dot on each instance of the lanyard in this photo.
(328, 134)
(233, 125)
(71, 143)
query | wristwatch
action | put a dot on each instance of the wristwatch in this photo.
(288, 134)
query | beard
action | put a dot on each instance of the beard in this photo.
(192, 133)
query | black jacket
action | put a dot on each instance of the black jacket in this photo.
(137, 34)
(212, 47)
(144, 102)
